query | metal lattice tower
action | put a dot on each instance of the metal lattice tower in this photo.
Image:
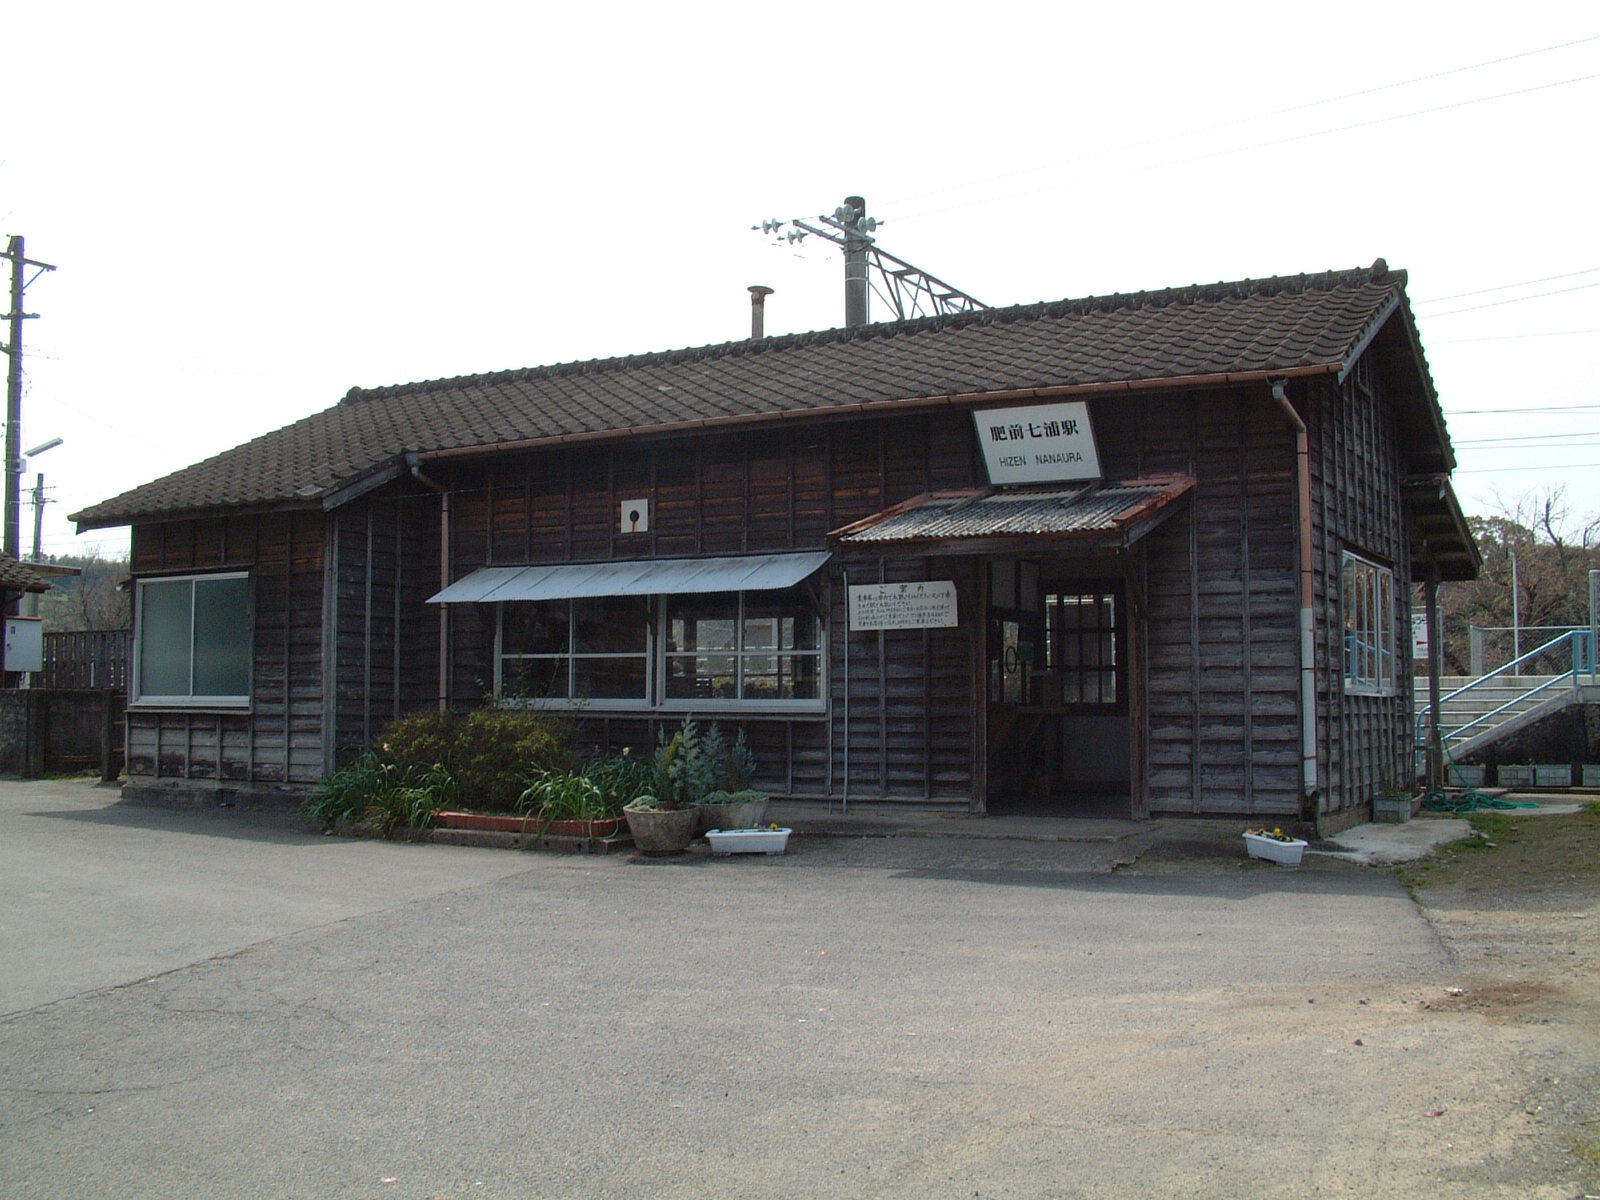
(908, 290)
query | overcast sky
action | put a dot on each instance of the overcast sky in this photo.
(254, 208)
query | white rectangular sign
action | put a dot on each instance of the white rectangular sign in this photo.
(926, 605)
(1040, 443)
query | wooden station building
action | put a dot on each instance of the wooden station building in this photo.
(1138, 554)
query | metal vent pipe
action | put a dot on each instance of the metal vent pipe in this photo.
(758, 310)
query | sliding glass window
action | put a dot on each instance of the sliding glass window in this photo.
(591, 650)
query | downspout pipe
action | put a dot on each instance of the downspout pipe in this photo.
(1308, 628)
(414, 461)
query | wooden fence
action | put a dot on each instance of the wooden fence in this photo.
(90, 658)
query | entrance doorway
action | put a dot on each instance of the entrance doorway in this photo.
(1057, 691)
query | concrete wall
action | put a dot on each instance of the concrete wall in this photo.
(45, 731)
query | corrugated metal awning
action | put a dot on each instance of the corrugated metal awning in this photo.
(1099, 516)
(637, 577)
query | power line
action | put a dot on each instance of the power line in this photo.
(1554, 408)
(1512, 337)
(1583, 466)
(1508, 443)
(1503, 287)
(1265, 116)
(1514, 300)
(1421, 112)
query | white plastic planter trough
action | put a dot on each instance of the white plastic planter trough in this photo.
(1288, 853)
(748, 841)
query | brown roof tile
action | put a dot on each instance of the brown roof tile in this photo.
(1252, 326)
(20, 577)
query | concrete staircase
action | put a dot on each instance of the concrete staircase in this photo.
(1499, 706)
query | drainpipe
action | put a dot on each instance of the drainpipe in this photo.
(414, 461)
(1308, 633)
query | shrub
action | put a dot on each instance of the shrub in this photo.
(490, 752)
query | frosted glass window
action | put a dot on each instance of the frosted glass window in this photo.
(193, 641)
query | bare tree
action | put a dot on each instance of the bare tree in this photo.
(1537, 543)
(93, 599)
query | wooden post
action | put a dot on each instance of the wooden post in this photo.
(108, 734)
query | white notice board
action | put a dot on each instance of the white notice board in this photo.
(930, 604)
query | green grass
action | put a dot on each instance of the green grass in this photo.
(1490, 831)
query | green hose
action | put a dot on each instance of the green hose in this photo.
(1467, 802)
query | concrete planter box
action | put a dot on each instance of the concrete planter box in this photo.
(1552, 775)
(1515, 776)
(1467, 775)
(740, 815)
(1391, 810)
(1591, 774)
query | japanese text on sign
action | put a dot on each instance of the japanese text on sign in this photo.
(1041, 443)
(925, 605)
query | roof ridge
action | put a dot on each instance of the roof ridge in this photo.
(1196, 293)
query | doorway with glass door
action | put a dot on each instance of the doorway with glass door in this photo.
(1057, 695)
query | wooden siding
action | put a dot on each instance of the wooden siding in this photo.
(911, 720)
(1219, 669)
(1215, 685)
(1365, 741)
(384, 567)
(280, 740)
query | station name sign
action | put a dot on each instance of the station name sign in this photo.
(1040, 443)
(930, 604)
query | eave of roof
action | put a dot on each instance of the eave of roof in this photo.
(1105, 516)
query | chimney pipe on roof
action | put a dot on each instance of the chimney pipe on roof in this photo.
(758, 309)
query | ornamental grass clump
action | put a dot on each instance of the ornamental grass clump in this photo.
(391, 798)
(596, 791)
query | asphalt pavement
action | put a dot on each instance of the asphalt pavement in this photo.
(226, 1004)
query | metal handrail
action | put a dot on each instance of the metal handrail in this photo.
(1583, 662)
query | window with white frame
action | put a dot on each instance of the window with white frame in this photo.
(698, 652)
(748, 647)
(1367, 594)
(192, 645)
(596, 649)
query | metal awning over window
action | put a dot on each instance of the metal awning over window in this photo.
(1095, 516)
(638, 577)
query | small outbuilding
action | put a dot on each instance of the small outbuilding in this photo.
(1138, 554)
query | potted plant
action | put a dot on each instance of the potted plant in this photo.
(733, 804)
(1274, 845)
(663, 820)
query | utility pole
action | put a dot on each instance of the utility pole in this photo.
(911, 292)
(38, 519)
(854, 223)
(20, 262)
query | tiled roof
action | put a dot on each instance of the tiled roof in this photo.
(20, 577)
(1222, 330)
